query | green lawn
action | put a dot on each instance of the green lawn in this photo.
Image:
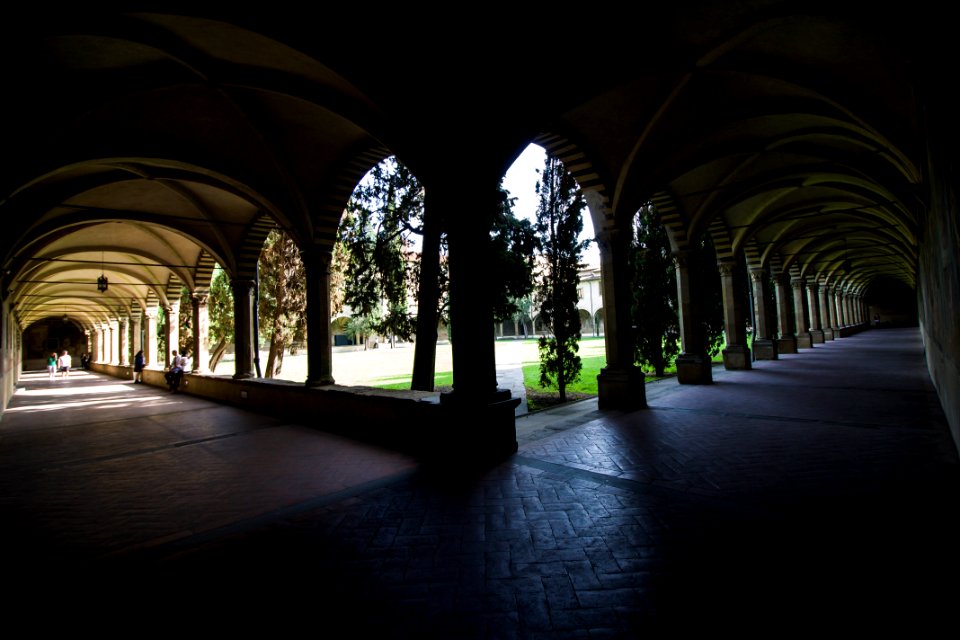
(593, 359)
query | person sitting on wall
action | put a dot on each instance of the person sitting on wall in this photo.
(174, 372)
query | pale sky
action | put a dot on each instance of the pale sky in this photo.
(521, 179)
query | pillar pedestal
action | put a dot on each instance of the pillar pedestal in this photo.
(469, 429)
(804, 340)
(764, 349)
(817, 336)
(694, 369)
(621, 389)
(787, 344)
(736, 356)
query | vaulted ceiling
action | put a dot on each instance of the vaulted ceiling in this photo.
(145, 145)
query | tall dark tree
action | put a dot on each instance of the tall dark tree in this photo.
(283, 297)
(654, 293)
(559, 224)
(706, 274)
(220, 307)
(377, 229)
(380, 230)
(513, 247)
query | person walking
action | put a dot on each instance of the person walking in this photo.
(64, 363)
(52, 365)
(138, 362)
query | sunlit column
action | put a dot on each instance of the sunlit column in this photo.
(316, 263)
(124, 327)
(172, 329)
(244, 339)
(135, 329)
(151, 357)
(201, 333)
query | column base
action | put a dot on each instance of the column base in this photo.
(804, 341)
(736, 356)
(817, 336)
(765, 349)
(828, 334)
(322, 381)
(694, 369)
(477, 431)
(787, 344)
(621, 389)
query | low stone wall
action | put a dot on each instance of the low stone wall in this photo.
(415, 422)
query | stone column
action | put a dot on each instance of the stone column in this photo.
(316, 263)
(151, 357)
(480, 417)
(804, 340)
(787, 342)
(96, 353)
(114, 342)
(201, 333)
(172, 330)
(813, 306)
(620, 384)
(736, 355)
(764, 347)
(437, 200)
(105, 343)
(244, 340)
(693, 363)
(825, 312)
(838, 321)
(136, 336)
(124, 340)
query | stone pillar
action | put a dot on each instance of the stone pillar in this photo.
(316, 263)
(105, 339)
(837, 307)
(136, 335)
(244, 340)
(479, 416)
(736, 355)
(151, 357)
(114, 342)
(787, 342)
(620, 384)
(804, 340)
(813, 306)
(693, 363)
(764, 347)
(124, 341)
(172, 330)
(825, 312)
(201, 333)
(827, 307)
(95, 352)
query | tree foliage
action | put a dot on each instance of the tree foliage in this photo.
(654, 293)
(513, 246)
(283, 297)
(376, 234)
(220, 309)
(558, 227)
(706, 274)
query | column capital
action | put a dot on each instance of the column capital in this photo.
(726, 267)
(757, 274)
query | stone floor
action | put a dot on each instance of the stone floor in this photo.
(813, 494)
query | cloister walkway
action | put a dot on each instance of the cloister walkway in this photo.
(818, 489)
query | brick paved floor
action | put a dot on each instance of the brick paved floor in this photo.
(817, 494)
